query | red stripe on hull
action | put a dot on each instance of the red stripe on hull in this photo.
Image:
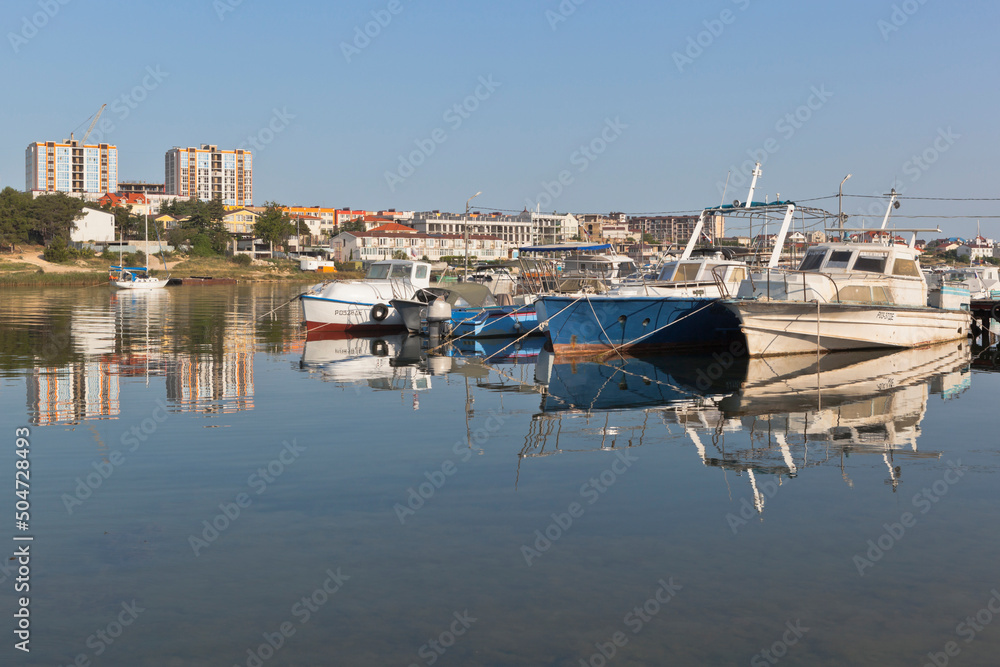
(339, 327)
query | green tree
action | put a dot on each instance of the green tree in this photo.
(356, 225)
(54, 216)
(16, 223)
(274, 225)
(399, 254)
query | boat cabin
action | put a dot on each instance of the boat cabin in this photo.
(870, 273)
(417, 274)
(607, 267)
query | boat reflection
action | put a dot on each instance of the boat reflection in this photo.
(758, 416)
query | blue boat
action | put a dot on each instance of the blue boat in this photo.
(591, 324)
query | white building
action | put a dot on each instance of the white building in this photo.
(209, 173)
(70, 167)
(96, 226)
(382, 242)
(526, 228)
(975, 249)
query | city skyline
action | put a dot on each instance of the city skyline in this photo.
(568, 106)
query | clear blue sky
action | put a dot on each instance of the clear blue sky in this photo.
(672, 129)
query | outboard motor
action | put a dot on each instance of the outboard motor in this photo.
(438, 319)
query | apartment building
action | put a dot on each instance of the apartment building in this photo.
(209, 173)
(70, 167)
(676, 229)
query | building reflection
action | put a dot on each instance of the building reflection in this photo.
(124, 340)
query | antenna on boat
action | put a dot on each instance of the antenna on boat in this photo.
(753, 184)
(725, 187)
(893, 203)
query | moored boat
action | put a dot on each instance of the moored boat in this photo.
(359, 306)
(845, 296)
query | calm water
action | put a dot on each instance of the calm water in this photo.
(390, 509)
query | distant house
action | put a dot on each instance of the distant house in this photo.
(973, 250)
(96, 226)
(240, 221)
(136, 202)
(170, 222)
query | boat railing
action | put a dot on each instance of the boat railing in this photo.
(786, 282)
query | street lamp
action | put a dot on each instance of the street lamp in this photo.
(467, 232)
(840, 207)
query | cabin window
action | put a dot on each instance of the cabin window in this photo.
(856, 293)
(400, 271)
(739, 274)
(905, 267)
(881, 294)
(687, 271)
(839, 259)
(420, 273)
(812, 260)
(871, 261)
(378, 272)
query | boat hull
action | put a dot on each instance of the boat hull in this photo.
(502, 321)
(782, 327)
(595, 324)
(140, 284)
(331, 315)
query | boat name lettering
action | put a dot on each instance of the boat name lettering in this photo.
(882, 315)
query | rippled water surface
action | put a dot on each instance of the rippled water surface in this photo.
(209, 488)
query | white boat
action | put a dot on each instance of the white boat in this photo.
(359, 306)
(137, 277)
(845, 296)
(983, 281)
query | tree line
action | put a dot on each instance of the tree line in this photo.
(42, 220)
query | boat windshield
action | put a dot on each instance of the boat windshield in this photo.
(400, 271)
(378, 272)
(813, 259)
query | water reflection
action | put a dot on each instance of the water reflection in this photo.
(754, 417)
(79, 348)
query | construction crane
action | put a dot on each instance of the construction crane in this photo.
(92, 124)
